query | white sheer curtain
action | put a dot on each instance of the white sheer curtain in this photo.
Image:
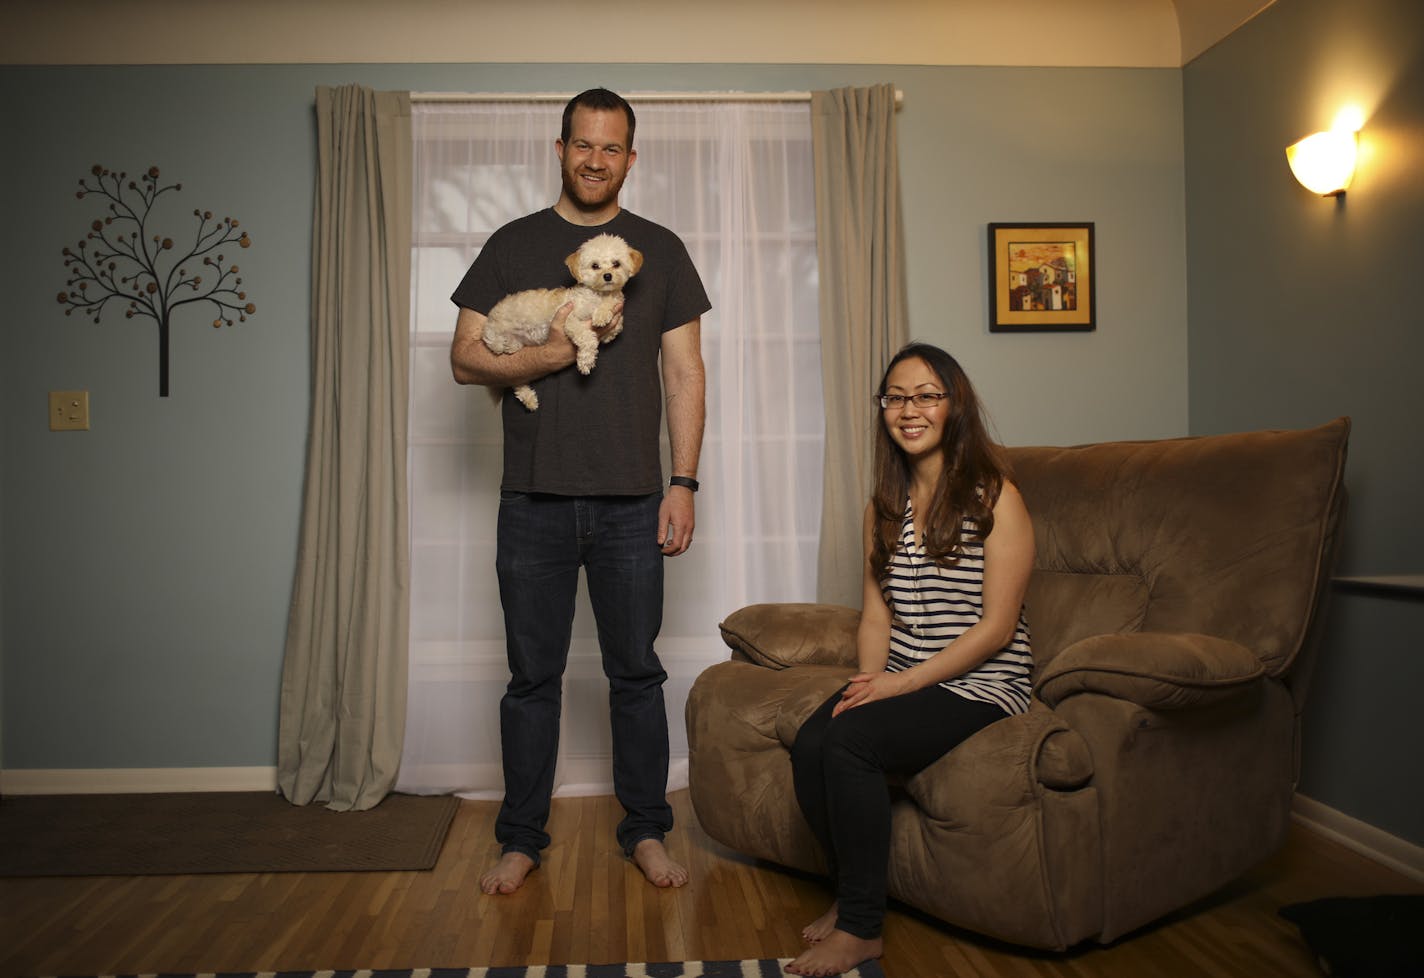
(735, 181)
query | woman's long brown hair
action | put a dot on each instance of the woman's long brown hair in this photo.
(973, 476)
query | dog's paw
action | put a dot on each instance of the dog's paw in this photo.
(526, 396)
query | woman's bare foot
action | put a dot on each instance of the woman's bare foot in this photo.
(508, 874)
(836, 954)
(651, 856)
(819, 929)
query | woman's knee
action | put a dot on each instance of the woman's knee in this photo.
(852, 738)
(806, 748)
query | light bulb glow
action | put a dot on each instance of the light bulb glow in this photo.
(1324, 163)
(1349, 119)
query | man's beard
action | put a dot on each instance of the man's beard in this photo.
(591, 197)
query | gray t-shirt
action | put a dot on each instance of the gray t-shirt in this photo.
(593, 435)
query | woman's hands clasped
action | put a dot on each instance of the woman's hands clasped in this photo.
(867, 687)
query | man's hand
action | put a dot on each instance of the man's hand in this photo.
(615, 322)
(676, 518)
(558, 342)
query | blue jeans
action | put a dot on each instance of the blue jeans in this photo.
(542, 542)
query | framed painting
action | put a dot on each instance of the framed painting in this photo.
(1041, 277)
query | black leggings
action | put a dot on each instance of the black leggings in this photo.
(839, 769)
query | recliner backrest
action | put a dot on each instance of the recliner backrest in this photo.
(1226, 535)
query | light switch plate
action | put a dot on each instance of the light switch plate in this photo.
(68, 410)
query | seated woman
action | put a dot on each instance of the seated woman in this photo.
(943, 648)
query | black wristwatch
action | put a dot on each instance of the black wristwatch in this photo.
(684, 481)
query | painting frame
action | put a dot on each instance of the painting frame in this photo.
(1042, 277)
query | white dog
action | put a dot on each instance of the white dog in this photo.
(601, 266)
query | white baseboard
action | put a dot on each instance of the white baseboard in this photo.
(1398, 854)
(119, 781)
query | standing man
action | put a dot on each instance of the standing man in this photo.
(583, 487)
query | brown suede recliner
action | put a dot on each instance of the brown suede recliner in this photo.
(1174, 606)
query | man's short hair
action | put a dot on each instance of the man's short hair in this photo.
(602, 100)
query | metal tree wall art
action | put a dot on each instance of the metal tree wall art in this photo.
(121, 260)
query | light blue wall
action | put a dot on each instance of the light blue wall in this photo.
(147, 563)
(1303, 309)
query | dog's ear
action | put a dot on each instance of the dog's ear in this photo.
(635, 261)
(571, 263)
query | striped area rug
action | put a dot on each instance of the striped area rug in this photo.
(765, 968)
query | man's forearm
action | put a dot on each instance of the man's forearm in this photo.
(685, 423)
(686, 419)
(472, 362)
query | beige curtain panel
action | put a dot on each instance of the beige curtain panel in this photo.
(860, 251)
(343, 699)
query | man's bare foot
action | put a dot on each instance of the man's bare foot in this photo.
(508, 874)
(651, 856)
(835, 955)
(819, 929)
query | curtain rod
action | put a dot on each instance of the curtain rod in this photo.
(562, 97)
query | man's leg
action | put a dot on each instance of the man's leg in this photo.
(537, 561)
(625, 585)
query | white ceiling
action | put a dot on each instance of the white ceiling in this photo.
(1201, 23)
(1109, 33)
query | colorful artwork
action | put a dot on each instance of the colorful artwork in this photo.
(1040, 277)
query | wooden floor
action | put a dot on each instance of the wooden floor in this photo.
(588, 905)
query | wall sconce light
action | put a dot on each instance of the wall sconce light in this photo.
(1324, 163)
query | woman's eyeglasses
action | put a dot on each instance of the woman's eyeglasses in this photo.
(896, 402)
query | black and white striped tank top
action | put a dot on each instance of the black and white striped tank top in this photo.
(931, 606)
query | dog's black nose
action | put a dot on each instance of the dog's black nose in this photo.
(608, 276)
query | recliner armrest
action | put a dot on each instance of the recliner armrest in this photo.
(1158, 670)
(792, 634)
(1002, 767)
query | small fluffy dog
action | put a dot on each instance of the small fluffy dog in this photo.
(601, 266)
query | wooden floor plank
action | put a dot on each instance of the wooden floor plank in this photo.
(588, 904)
